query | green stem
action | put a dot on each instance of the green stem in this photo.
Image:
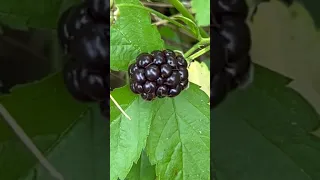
(199, 53)
(204, 41)
(159, 15)
(184, 11)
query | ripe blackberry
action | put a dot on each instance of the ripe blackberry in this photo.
(236, 34)
(85, 38)
(231, 43)
(94, 81)
(70, 22)
(234, 7)
(71, 76)
(99, 8)
(158, 74)
(90, 44)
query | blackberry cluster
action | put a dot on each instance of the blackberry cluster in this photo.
(83, 32)
(231, 43)
(159, 74)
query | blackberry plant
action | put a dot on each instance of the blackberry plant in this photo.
(160, 113)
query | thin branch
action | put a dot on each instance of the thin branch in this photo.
(163, 5)
(28, 142)
(119, 107)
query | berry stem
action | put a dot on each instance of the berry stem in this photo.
(119, 107)
(160, 15)
(202, 42)
(184, 11)
(28, 143)
(199, 53)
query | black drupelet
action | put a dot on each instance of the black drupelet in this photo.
(83, 32)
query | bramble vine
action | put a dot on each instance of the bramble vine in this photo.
(179, 118)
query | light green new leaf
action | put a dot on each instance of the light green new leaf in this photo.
(131, 35)
(202, 10)
(179, 140)
(128, 137)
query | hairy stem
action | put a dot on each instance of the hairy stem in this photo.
(184, 11)
(202, 42)
(199, 53)
(28, 143)
(159, 15)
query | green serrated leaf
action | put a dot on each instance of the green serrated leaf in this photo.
(179, 140)
(131, 35)
(128, 137)
(202, 10)
(143, 170)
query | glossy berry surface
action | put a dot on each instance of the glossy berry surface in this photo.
(235, 7)
(71, 77)
(230, 48)
(93, 81)
(99, 8)
(143, 60)
(62, 31)
(91, 44)
(152, 72)
(84, 37)
(236, 36)
(158, 74)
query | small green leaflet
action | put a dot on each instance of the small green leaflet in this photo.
(202, 10)
(131, 35)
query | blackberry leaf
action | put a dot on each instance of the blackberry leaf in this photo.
(131, 35)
